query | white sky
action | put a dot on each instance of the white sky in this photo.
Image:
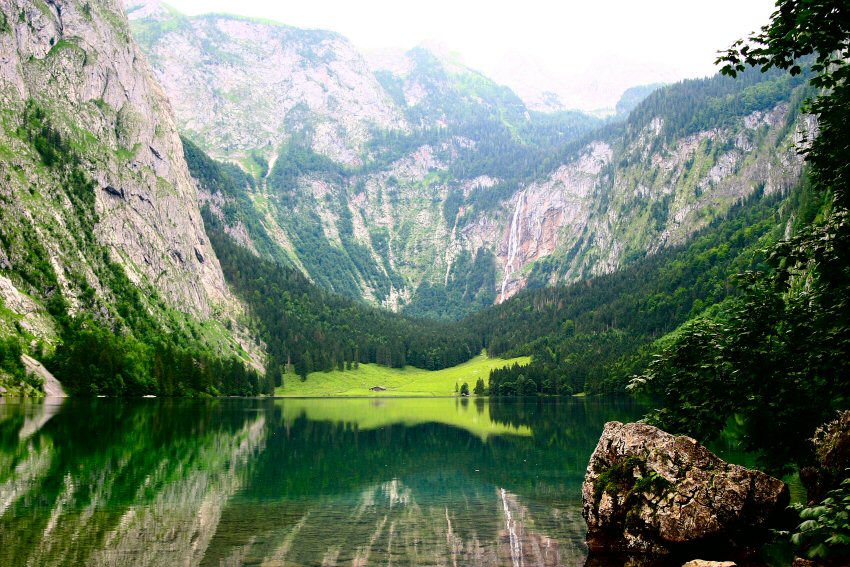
(662, 39)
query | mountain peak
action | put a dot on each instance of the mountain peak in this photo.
(150, 9)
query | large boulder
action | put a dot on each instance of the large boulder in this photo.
(649, 492)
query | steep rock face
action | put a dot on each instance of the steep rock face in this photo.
(614, 200)
(239, 85)
(75, 63)
(549, 215)
(647, 491)
(265, 94)
(629, 196)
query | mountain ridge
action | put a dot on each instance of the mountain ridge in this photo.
(468, 201)
(588, 207)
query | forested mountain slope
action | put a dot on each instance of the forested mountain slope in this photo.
(449, 195)
(452, 131)
(594, 335)
(101, 237)
(439, 196)
(108, 274)
(89, 142)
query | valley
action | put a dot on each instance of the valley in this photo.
(348, 186)
(453, 195)
(315, 303)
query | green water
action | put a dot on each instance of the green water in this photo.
(297, 482)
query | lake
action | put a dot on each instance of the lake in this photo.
(438, 481)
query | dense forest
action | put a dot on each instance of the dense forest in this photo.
(588, 337)
(470, 287)
(697, 105)
(309, 329)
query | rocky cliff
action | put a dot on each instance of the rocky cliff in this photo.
(240, 86)
(92, 174)
(624, 197)
(612, 200)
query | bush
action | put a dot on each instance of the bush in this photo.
(825, 530)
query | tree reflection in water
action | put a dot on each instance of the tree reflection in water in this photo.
(297, 482)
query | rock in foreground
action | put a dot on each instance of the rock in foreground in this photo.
(647, 491)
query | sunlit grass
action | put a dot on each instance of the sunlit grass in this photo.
(408, 381)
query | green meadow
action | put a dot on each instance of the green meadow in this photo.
(407, 381)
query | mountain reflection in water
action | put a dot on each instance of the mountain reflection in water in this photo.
(297, 482)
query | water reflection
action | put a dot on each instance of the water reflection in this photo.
(297, 482)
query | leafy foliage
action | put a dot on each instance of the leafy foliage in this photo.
(10, 358)
(470, 287)
(93, 360)
(825, 530)
(480, 389)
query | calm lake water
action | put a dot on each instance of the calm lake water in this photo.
(297, 482)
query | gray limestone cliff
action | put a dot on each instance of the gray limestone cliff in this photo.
(72, 79)
(240, 85)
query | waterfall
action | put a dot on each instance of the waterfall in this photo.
(516, 546)
(513, 242)
(449, 253)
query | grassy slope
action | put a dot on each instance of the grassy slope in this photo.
(409, 381)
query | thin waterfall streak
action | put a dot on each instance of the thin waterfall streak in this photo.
(448, 253)
(513, 242)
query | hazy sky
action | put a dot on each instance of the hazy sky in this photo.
(564, 37)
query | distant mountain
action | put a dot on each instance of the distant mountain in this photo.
(589, 83)
(241, 86)
(407, 180)
(633, 97)
(349, 214)
(465, 196)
